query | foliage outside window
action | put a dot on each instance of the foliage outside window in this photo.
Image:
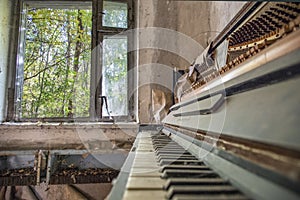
(57, 63)
(115, 14)
(114, 66)
(115, 74)
(54, 78)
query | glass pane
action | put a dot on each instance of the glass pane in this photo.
(115, 14)
(57, 63)
(114, 74)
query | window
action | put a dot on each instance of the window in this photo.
(114, 59)
(115, 14)
(57, 75)
(114, 74)
(57, 57)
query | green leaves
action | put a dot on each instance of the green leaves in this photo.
(49, 75)
(115, 14)
(115, 73)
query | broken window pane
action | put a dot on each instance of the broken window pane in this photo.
(115, 14)
(115, 74)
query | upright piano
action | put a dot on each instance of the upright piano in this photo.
(234, 130)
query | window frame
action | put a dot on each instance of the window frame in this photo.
(96, 80)
(95, 110)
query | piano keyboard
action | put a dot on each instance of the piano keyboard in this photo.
(162, 169)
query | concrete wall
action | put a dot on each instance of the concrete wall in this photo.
(5, 8)
(221, 12)
(163, 14)
(199, 21)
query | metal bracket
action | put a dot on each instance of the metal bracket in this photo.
(41, 165)
(49, 165)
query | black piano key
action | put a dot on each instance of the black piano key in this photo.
(194, 181)
(210, 197)
(174, 173)
(200, 190)
(184, 167)
(180, 162)
(178, 157)
(164, 151)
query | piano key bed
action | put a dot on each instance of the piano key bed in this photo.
(162, 169)
(162, 165)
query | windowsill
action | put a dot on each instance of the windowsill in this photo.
(71, 124)
(98, 136)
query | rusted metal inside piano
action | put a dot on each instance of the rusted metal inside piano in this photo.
(267, 24)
